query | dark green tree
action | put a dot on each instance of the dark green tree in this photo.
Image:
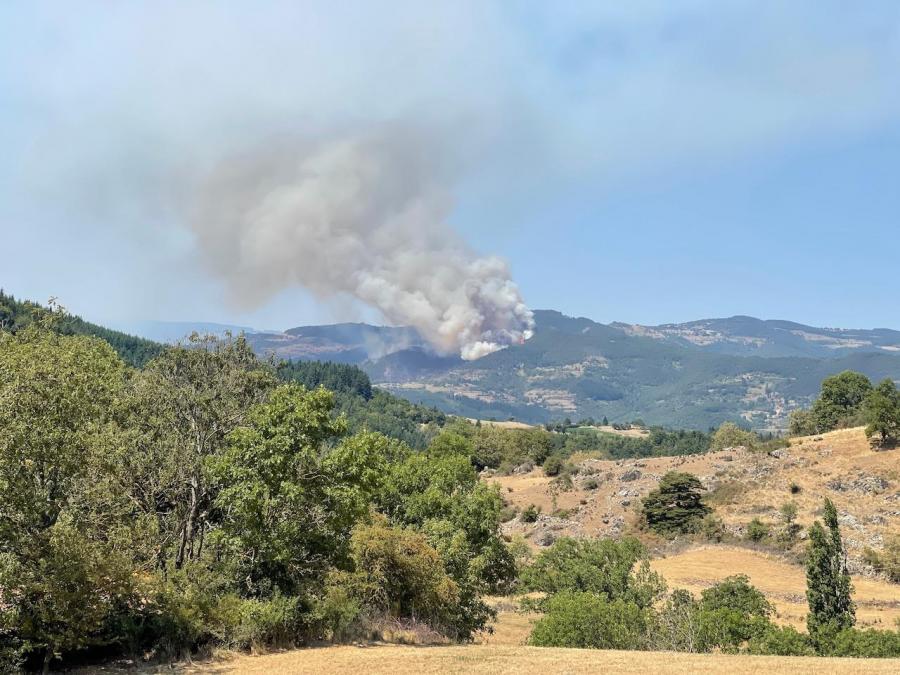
(676, 505)
(882, 413)
(840, 401)
(828, 586)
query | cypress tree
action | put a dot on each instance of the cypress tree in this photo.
(828, 584)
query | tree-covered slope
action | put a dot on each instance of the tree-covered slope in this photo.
(135, 351)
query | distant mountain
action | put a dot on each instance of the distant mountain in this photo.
(694, 376)
(353, 343)
(746, 336)
(170, 332)
(691, 375)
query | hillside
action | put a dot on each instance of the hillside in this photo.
(863, 483)
(575, 367)
(748, 336)
(135, 351)
(691, 375)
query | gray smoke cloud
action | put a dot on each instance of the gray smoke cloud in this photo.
(362, 214)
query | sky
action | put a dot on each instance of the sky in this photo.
(646, 162)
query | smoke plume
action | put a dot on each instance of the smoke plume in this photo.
(364, 215)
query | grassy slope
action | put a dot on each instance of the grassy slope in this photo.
(760, 485)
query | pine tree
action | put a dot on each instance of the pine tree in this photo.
(828, 584)
(676, 505)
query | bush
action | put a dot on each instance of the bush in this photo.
(615, 569)
(530, 514)
(585, 620)
(712, 528)
(868, 643)
(553, 465)
(276, 622)
(731, 613)
(757, 530)
(781, 641)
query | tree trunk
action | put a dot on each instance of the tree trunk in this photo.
(187, 534)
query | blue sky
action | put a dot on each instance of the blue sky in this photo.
(646, 161)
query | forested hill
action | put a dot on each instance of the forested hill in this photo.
(577, 368)
(365, 407)
(135, 351)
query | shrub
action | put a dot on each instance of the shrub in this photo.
(732, 612)
(591, 484)
(869, 643)
(677, 625)
(888, 561)
(795, 489)
(553, 465)
(757, 530)
(507, 513)
(781, 641)
(712, 528)
(615, 569)
(802, 423)
(276, 622)
(585, 620)
(530, 513)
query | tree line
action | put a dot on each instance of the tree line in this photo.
(850, 399)
(199, 501)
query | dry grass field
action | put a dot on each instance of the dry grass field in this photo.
(784, 584)
(409, 660)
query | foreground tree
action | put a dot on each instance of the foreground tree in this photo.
(676, 505)
(881, 412)
(288, 501)
(828, 586)
(179, 413)
(65, 532)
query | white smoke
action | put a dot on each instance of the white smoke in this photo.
(364, 215)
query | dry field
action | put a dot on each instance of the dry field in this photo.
(509, 424)
(784, 584)
(404, 660)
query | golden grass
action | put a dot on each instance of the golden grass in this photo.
(405, 660)
(509, 424)
(784, 584)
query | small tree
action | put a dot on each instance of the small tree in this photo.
(840, 402)
(882, 413)
(803, 423)
(676, 505)
(828, 584)
(730, 435)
